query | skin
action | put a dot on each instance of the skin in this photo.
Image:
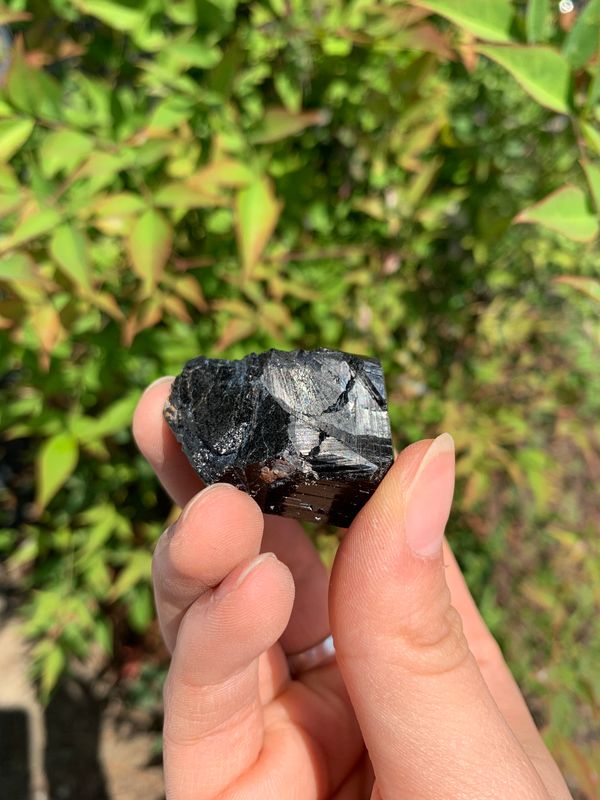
(419, 704)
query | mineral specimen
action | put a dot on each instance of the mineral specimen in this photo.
(306, 433)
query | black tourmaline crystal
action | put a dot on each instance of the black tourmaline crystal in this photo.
(306, 432)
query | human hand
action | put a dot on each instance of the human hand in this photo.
(420, 704)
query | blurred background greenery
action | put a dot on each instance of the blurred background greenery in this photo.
(419, 181)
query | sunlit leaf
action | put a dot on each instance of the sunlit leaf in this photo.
(116, 418)
(566, 211)
(149, 246)
(50, 671)
(17, 267)
(64, 150)
(69, 249)
(32, 89)
(11, 202)
(277, 124)
(256, 214)
(193, 53)
(587, 286)
(592, 173)
(13, 135)
(114, 214)
(56, 460)
(544, 73)
(36, 224)
(138, 570)
(121, 204)
(591, 134)
(181, 194)
(224, 172)
(490, 20)
(140, 608)
(116, 15)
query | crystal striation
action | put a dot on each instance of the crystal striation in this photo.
(306, 433)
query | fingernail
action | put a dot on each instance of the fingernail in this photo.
(235, 579)
(198, 499)
(430, 497)
(158, 381)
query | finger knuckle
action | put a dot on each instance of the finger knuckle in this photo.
(431, 641)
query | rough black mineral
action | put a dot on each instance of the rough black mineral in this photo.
(306, 433)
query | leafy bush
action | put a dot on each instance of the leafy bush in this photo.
(416, 180)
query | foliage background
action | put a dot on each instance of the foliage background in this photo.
(415, 180)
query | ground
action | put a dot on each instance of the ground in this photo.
(80, 746)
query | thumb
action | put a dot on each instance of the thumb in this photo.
(429, 722)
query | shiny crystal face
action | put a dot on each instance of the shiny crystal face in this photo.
(306, 432)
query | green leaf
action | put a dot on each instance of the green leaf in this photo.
(125, 17)
(101, 168)
(535, 20)
(13, 135)
(594, 90)
(17, 267)
(64, 151)
(566, 211)
(113, 214)
(137, 570)
(149, 246)
(115, 419)
(195, 53)
(544, 73)
(183, 12)
(69, 249)
(591, 134)
(278, 124)
(124, 204)
(587, 286)
(140, 611)
(50, 670)
(57, 458)
(31, 89)
(592, 173)
(181, 194)
(10, 202)
(8, 180)
(583, 41)
(256, 214)
(489, 20)
(223, 173)
(169, 113)
(36, 224)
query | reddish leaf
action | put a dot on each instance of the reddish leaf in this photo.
(278, 124)
(234, 331)
(189, 289)
(175, 306)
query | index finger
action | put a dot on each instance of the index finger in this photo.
(157, 443)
